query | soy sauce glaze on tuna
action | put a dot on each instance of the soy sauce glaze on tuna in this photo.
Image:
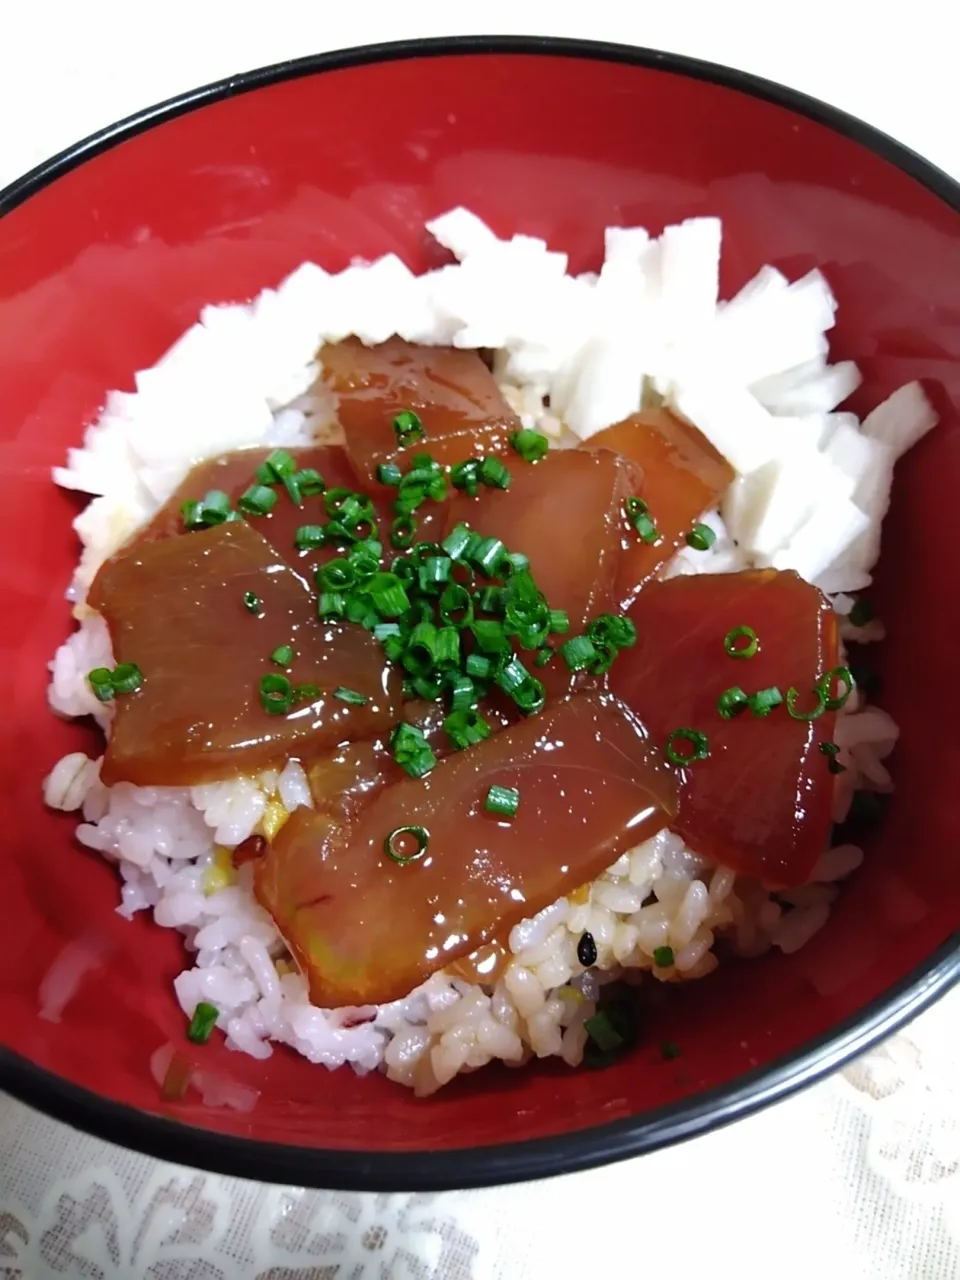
(464, 639)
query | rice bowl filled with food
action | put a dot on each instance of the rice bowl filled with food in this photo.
(475, 649)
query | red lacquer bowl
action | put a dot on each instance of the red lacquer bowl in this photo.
(108, 252)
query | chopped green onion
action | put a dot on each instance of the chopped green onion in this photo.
(347, 507)
(402, 532)
(732, 642)
(578, 652)
(466, 476)
(367, 549)
(279, 463)
(309, 536)
(825, 686)
(465, 728)
(127, 677)
(419, 656)
(341, 535)
(350, 696)
(360, 610)
(511, 676)
(411, 497)
(462, 691)
(447, 651)
(411, 750)
(307, 693)
(204, 1019)
(669, 1050)
(384, 630)
(213, 509)
(731, 702)
(434, 574)
(491, 600)
(283, 655)
(606, 656)
(311, 482)
(422, 550)
(426, 462)
(831, 751)
(408, 428)
(428, 686)
(613, 629)
(531, 445)
(502, 801)
(389, 473)
(216, 504)
(276, 694)
(793, 695)
(494, 474)
(487, 555)
(764, 701)
(531, 697)
(456, 606)
(663, 957)
(391, 846)
(529, 636)
(257, 500)
(331, 606)
(514, 562)
(251, 603)
(335, 575)
(490, 636)
(291, 482)
(100, 680)
(701, 537)
(364, 571)
(457, 541)
(603, 1033)
(697, 742)
(192, 513)
(860, 614)
(545, 655)
(388, 594)
(479, 667)
(636, 511)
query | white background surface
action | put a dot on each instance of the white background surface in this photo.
(859, 1178)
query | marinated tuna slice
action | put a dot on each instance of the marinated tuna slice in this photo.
(563, 513)
(681, 476)
(346, 779)
(235, 473)
(200, 616)
(760, 801)
(428, 874)
(452, 393)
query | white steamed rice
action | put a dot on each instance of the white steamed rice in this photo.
(574, 354)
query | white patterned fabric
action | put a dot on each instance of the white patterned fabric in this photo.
(856, 1179)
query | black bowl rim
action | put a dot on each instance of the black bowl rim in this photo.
(581, 1149)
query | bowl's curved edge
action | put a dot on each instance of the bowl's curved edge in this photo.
(923, 171)
(391, 1171)
(568, 1153)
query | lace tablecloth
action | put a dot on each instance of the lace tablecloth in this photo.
(859, 1177)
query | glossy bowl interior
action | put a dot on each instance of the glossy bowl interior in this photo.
(107, 254)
